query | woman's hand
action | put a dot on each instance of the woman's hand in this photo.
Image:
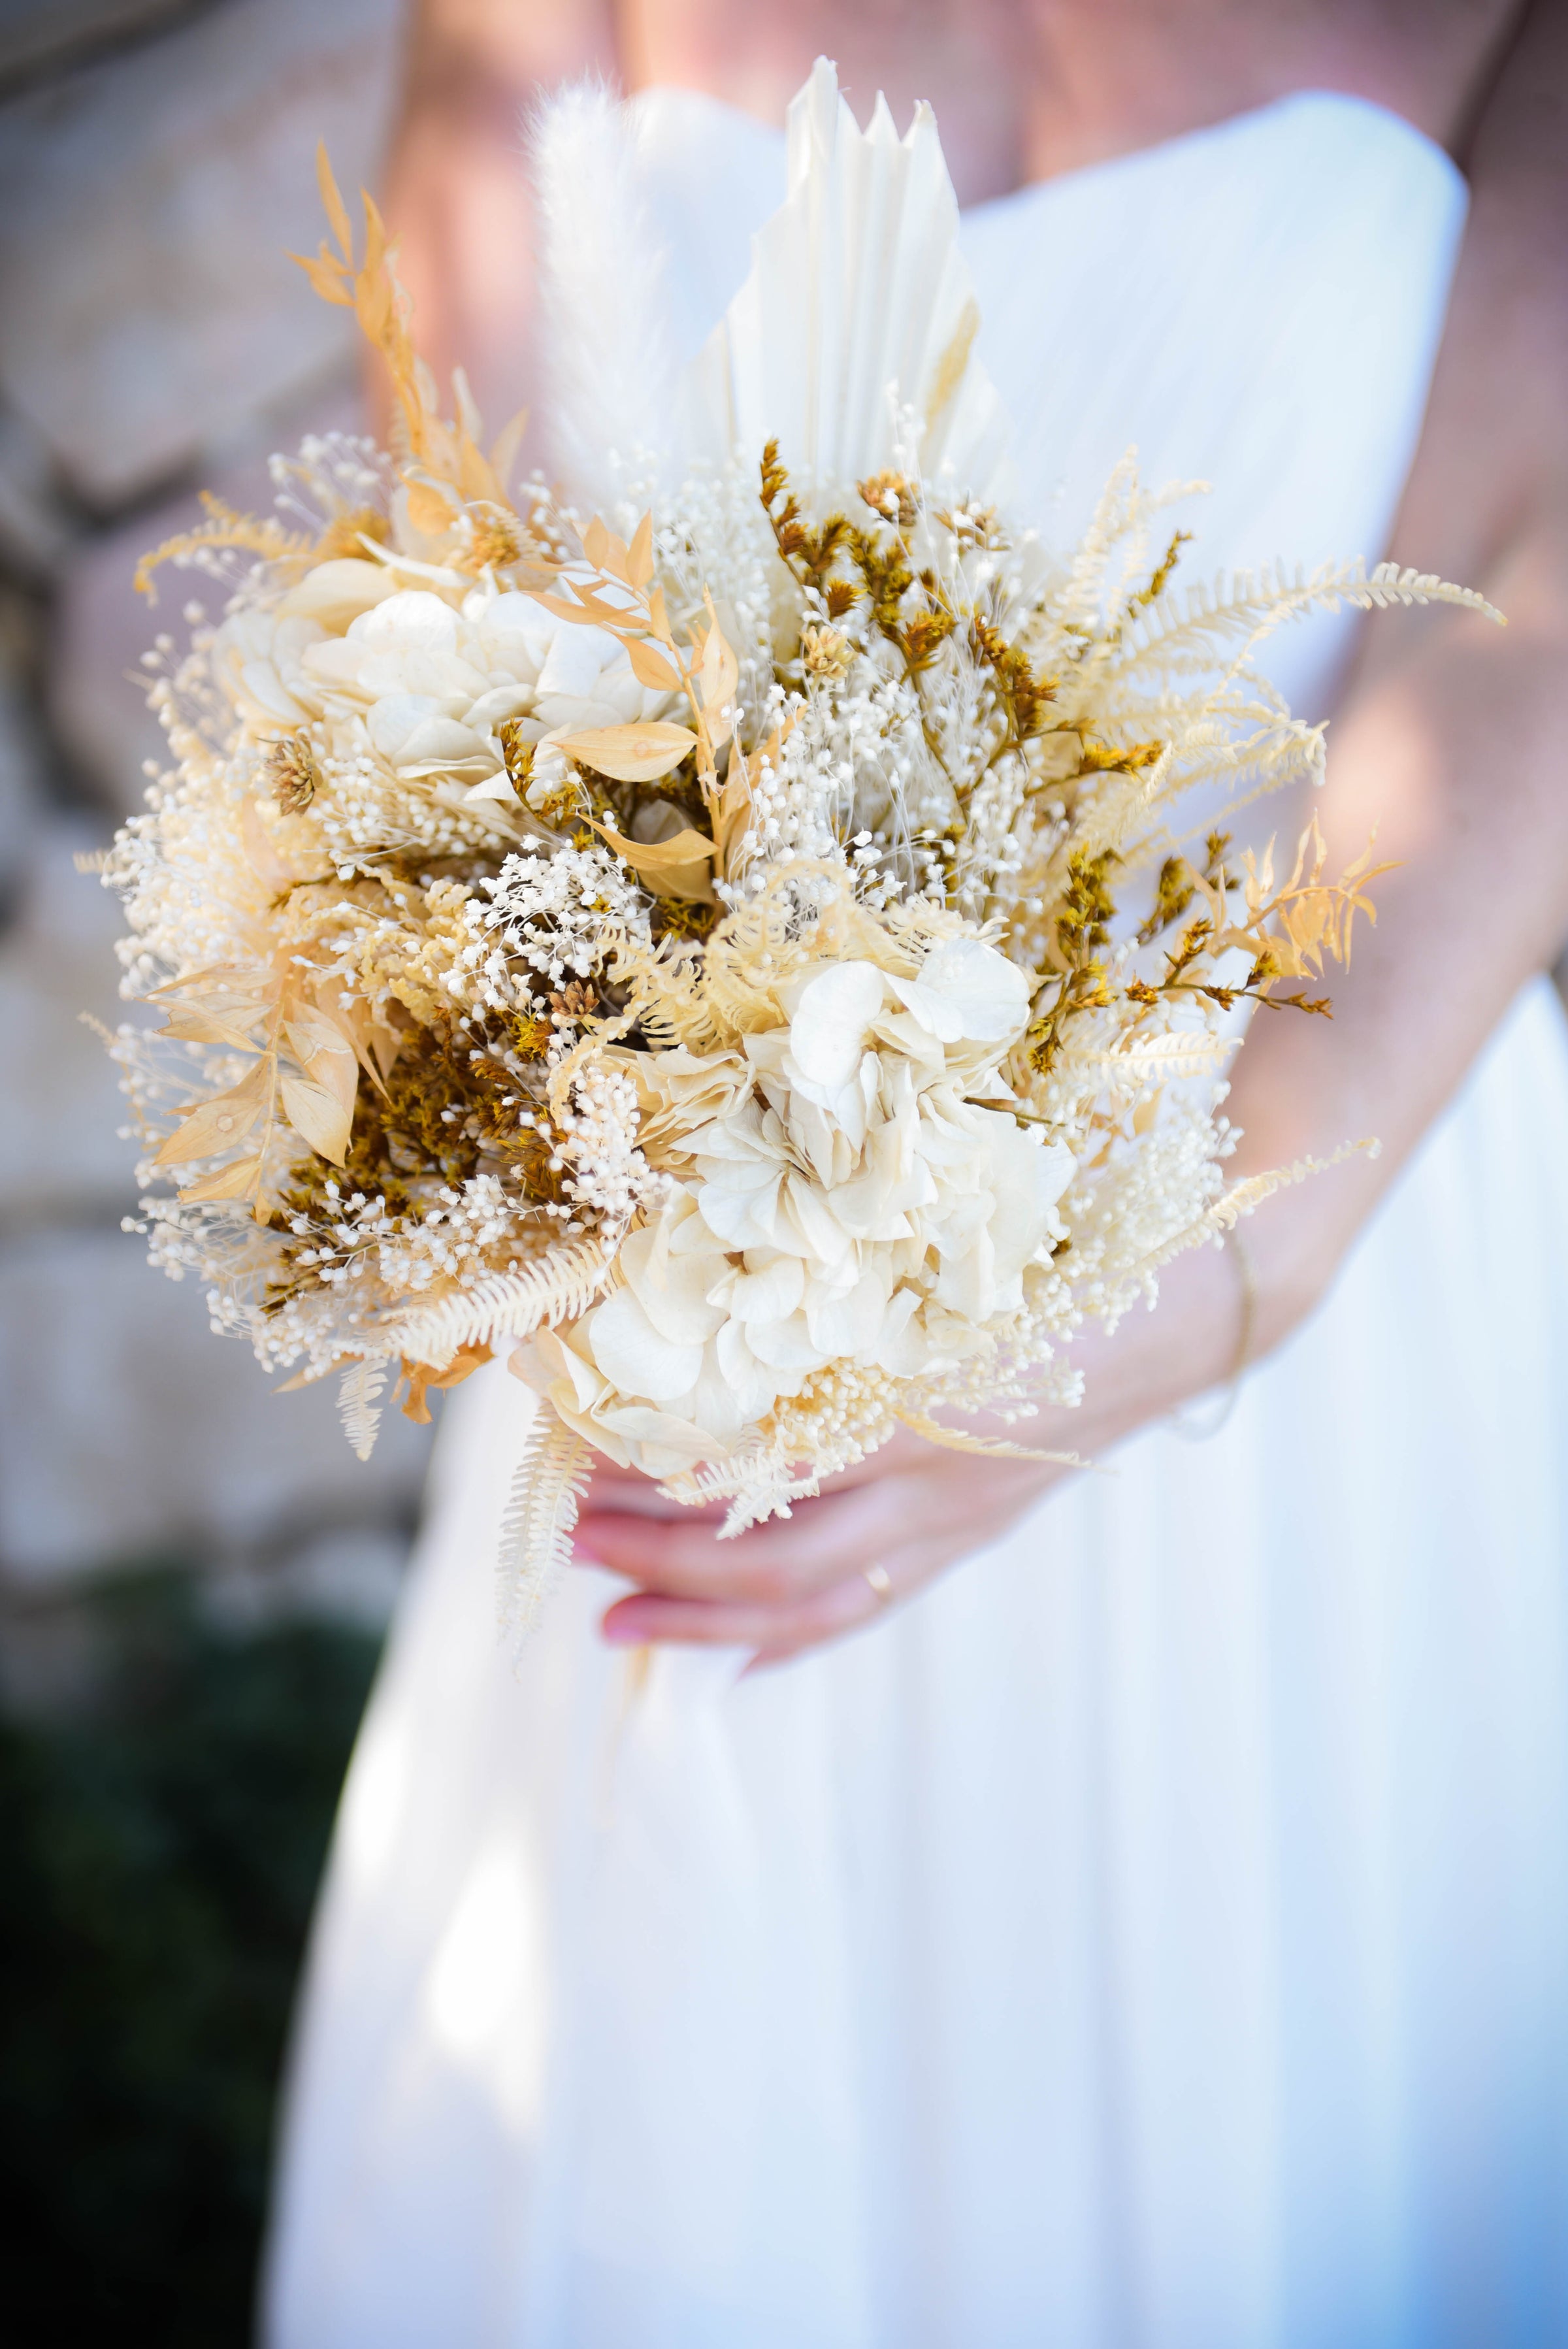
(911, 1510)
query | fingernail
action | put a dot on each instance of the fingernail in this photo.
(620, 1633)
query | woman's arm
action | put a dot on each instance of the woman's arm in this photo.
(1453, 744)
(457, 192)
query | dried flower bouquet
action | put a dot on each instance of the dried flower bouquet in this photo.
(731, 951)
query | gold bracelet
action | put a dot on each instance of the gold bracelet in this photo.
(1194, 1431)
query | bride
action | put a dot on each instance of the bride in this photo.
(1154, 1929)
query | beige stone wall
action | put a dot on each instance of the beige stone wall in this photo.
(156, 162)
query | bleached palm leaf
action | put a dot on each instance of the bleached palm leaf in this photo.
(858, 287)
(547, 1490)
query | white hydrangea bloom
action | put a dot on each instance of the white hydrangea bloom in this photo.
(425, 678)
(847, 1192)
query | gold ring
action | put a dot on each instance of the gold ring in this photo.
(880, 1581)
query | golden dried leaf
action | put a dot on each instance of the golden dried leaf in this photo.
(331, 203)
(219, 1123)
(375, 1045)
(596, 543)
(640, 555)
(236, 1181)
(218, 1019)
(319, 1115)
(720, 671)
(310, 1030)
(421, 1376)
(631, 754)
(324, 281)
(732, 816)
(650, 667)
(671, 868)
(589, 611)
(326, 1054)
(507, 441)
(428, 511)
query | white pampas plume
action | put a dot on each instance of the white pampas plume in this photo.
(608, 365)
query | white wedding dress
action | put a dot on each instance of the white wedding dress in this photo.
(1156, 1935)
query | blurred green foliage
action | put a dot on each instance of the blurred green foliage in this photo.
(159, 1854)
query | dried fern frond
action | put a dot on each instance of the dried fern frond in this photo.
(992, 1447)
(225, 528)
(547, 1491)
(1143, 1061)
(359, 1405)
(370, 287)
(1182, 633)
(558, 1288)
(719, 1480)
(1242, 1197)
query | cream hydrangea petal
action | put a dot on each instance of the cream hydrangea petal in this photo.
(508, 700)
(575, 658)
(263, 694)
(990, 994)
(660, 1442)
(744, 1218)
(756, 1384)
(555, 1365)
(770, 1287)
(932, 1010)
(409, 731)
(633, 1355)
(411, 619)
(785, 1344)
(809, 1223)
(831, 1018)
(850, 1324)
(671, 1289)
(334, 594)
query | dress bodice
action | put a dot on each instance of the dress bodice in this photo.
(1256, 305)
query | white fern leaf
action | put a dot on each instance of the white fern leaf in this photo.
(358, 1404)
(558, 1288)
(547, 1491)
(858, 286)
(960, 1439)
(1182, 633)
(1243, 1196)
(1148, 1060)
